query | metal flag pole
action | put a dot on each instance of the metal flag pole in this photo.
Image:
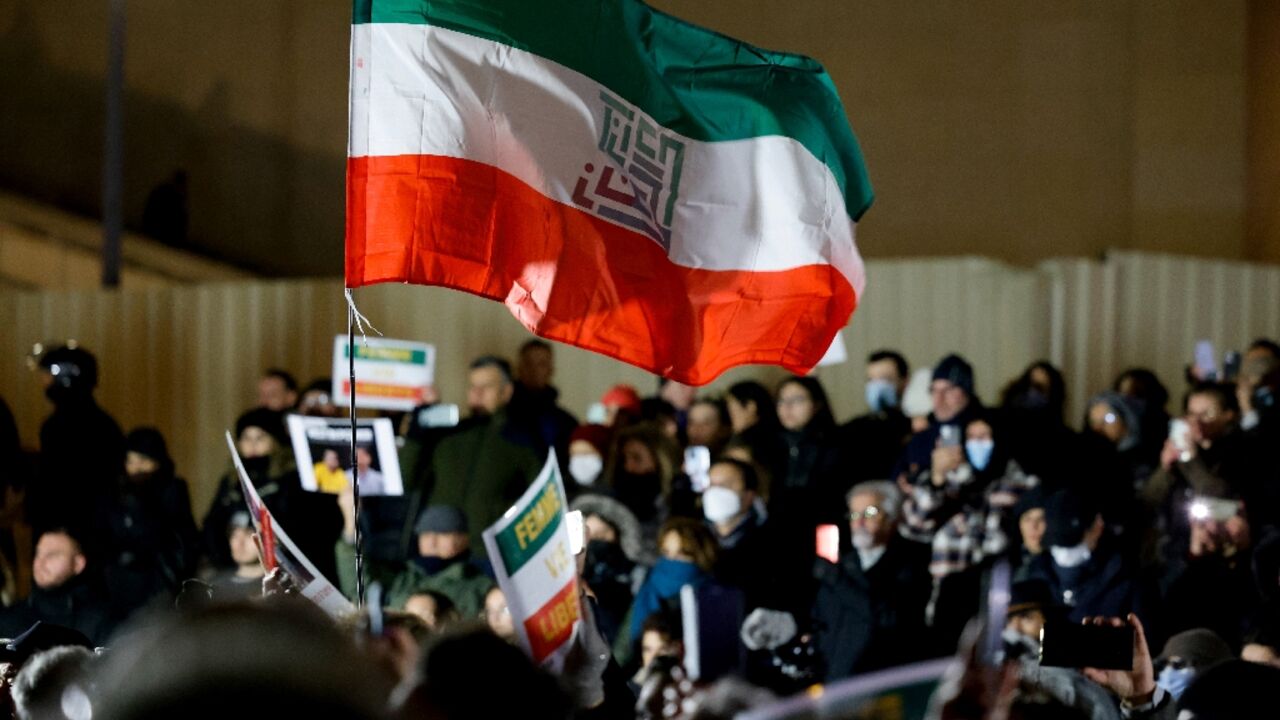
(355, 469)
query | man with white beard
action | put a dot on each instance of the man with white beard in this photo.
(869, 609)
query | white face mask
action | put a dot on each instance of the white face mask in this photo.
(1250, 420)
(1069, 557)
(720, 504)
(585, 468)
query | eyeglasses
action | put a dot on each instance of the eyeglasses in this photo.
(867, 513)
(487, 615)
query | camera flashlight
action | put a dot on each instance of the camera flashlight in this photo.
(1199, 511)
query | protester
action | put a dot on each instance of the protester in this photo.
(688, 558)
(64, 594)
(878, 437)
(483, 469)
(1083, 567)
(746, 554)
(81, 446)
(621, 406)
(277, 390)
(145, 532)
(753, 416)
(646, 475)
(614, 555)
(316, 400)
(960, 508)
(443, 562)
(245, 581)
(534, 398)
(813, 474)
(588, 448)
(1032, 412)
(709, 424)
(869, 609)
(953, 401)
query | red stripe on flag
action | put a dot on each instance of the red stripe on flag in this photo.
(570, 276)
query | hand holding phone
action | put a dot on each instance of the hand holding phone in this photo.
(1137, 684)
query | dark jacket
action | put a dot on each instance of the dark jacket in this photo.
(1106, 584)
(551, 425)
(482, 471)
(865, 620)
(78, 604)
(462, 581)
(874, 442)
(81, 453)
(147, 540)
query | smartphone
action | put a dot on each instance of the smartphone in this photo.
(995, 610)
(949, 436)
(1065, 644)
(1207, 360)
(1230, 366)
(1180, 435)
(438, 416)
(697, 465)
(828, 543)
(1210, 508)
(577, 531)
(373, 601)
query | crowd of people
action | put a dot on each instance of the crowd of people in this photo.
(836, 549)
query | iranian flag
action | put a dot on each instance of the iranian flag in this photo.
(622, 180)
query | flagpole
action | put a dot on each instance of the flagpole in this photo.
(355, 469)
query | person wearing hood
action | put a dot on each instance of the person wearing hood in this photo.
(81, 446)
(878, 437)
(443, 562)
(954, 401)
(1148, 396)
(146, 533)
(1083, 568)
(961, 507)
(310, 518)
(613, 557)
(1032, 409)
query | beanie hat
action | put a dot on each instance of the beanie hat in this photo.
(622, 396)
(597, 435)
(441, 519)
(270, 421)
(149, 442)
(955, 370)
(1201, 648)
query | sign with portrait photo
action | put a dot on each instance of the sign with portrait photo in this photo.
(322, 447)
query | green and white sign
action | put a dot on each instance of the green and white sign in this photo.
(390, 374)
(529, 549)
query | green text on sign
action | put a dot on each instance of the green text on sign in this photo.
(400, 355)
(537, 524)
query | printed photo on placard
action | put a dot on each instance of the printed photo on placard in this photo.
(322, 448)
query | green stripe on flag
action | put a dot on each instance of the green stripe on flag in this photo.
(695, 81)
(532, 529)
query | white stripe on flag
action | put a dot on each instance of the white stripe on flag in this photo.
(762, 204)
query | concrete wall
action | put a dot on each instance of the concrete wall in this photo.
(1006, 128)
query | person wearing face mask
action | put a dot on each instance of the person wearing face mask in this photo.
(738, 523)
(645, 475)
(868, 612)
(443, 562)
(954, 401)
(960, 507)
(1032, 411)
(146, 534)
(878, 438)
(1083, 567)
(588, 445)
(1185, 656)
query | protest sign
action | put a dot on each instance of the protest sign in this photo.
(530, 551)
(306, 577)
(322, 447)
(390, 374)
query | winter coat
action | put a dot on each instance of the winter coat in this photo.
(482, 471)
(147, 540)
(81, 453)
(1106, 584)
(462, 581)
(875, 442)
(870, 619)
(77, 604)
